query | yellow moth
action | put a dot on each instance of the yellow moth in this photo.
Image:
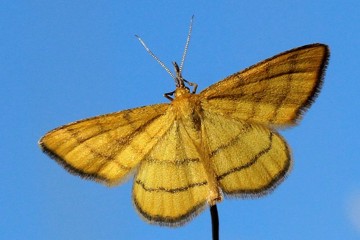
(189, 153)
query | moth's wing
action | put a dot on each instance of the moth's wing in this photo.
(170, 186)
(275, 91)
(107, 147)
(248, 158)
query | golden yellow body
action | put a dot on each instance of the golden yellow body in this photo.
(189, 153)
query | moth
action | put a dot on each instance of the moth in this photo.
(192, 151)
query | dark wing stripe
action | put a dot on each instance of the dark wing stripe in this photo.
(282, 98)
(172, 190)
(135, 132)
(255, 95)
(110, 157)
(269, 186)
(172, 162)
(250, 163)
(241, 83)
(232, 141)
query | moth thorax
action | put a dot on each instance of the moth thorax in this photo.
(188, 109)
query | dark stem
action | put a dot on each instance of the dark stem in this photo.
(214, 222)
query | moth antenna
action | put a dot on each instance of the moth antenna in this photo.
(187, 43)
(155, 57)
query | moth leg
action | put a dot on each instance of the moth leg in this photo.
(192, 84)
(169, 95)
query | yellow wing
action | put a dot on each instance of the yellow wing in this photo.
(106, 148)
(248, 159)
(171, 185)
(275, 91)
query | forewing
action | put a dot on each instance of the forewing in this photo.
(171, 186)
(107, 147)
(248, 159)
(275, 91)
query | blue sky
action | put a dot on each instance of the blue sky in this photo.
(62, 61)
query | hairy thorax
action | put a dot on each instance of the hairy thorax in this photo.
(187, 109)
